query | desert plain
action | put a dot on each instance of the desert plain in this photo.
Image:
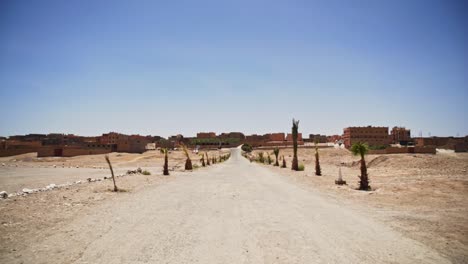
(419, 198)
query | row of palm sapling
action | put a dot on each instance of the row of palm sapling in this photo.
(358, 149)
(188, 161)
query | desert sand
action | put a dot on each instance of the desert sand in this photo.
(421, 195)
(237, 211)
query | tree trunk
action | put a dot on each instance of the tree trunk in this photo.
(166, 165)
(318, 171)
(364, 183)
(188, 164)
(295, 164)
(112, 173)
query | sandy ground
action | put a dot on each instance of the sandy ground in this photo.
(233, 212)
(28, 171)
(422, 196)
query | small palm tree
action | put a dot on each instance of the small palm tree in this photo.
(202, 160)
(295, 128)
(188, 161)
(207, 159)
(361, 149)
(276, 152)
(318, 171)
(112, 172)
(269, 158)
(166, 161)
(284, 163)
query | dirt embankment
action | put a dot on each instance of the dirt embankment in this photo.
(29, 219)
(28, 171)
(421, 195)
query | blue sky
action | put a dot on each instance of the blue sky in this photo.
(167, 67)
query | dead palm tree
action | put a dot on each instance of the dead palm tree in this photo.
(318, 171)
(269, 158)
(276, 152)
(112, 172)
(207, 159)
(295, 128)
(166, 161)
(284, 163)
(361, 149)
(188, 161)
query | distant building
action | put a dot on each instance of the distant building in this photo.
(334, 138)
(373, 136)
(206, 135)
(256, 140)
(276, 137)
(290, 139)
(459, 144)
(16, 147)
(317, 138)
(400, 135)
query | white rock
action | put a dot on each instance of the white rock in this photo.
(26, 190)
(51, 186)
(3, 164)
(3, 194)
(77, 182)
(55, 166)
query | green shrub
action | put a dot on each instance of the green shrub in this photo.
(247, 148)
(301, 167)
(195, 166)
(145, 172)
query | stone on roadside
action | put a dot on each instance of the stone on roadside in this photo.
(27, 191)
(3, 195)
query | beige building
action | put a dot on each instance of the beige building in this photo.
(373, 136)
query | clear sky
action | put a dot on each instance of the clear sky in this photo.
(167, 67)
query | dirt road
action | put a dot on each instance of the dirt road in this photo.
(236, 212)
